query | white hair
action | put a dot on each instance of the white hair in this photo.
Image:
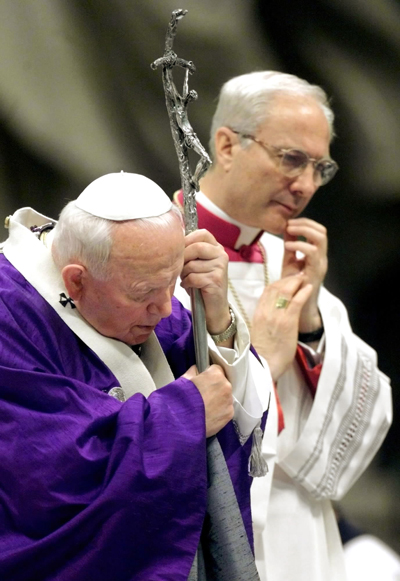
(244, 101)
(84, 238)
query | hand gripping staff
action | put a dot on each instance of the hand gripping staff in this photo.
(224, 553)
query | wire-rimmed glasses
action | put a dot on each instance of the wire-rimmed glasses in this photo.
(292, 162)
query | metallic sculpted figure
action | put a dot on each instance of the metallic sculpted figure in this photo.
(182, 132)
(224, 551)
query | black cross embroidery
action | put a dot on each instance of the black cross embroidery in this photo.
(64, 300)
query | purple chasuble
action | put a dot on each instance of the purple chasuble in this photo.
(92, 488)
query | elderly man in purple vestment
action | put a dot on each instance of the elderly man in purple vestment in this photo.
(104, 419)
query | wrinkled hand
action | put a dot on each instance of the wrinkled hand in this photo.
(313, 263)
(274, 332)
(206, 268)
(216, 392)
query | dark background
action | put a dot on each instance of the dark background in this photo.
(78, 99)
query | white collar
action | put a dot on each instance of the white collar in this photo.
(247, 233)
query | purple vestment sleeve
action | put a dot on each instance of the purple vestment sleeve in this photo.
(90, 488)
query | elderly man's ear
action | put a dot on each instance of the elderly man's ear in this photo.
(225, 140)
(74, 276)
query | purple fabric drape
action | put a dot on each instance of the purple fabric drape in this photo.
(91, 488)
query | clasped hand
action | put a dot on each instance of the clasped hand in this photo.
(274, 332)
(206, 268)
(216, 391)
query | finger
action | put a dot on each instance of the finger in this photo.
(290, 264)
(288, 236)
(215, 368)
(310, 250)
(203, 264)
(191, 372)
(313, 261)
(289, 285)
(308, 236)
(306, 223)
(214, 373)
(200, 273)
(306, 230)
(205, 252)
(206, 282)
(284, 288)
(300, 299)
(185, 288)
(200, 235)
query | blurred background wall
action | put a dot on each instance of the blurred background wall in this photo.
(78, 99)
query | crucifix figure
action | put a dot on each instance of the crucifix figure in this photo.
(182, 131)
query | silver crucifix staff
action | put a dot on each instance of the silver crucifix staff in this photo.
(224, 553)
(185, 139)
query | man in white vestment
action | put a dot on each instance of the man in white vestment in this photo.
(270, 141)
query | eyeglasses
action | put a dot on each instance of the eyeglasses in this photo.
(292, 162)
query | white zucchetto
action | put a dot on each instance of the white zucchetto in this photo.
(124, 196)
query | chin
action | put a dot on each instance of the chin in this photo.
(278, 227)
(140, 337)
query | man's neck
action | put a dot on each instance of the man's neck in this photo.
(247, 234)
(239, 240)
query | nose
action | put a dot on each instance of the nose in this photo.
(305, 184)
(161, 304)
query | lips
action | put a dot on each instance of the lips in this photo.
(286, 207)
(148, 327)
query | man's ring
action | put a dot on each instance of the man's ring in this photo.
(281, 303)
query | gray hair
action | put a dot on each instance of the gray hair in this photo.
(244, 100)
(80, 236)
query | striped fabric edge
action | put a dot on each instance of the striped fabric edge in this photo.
(337, 391)
(351, 432)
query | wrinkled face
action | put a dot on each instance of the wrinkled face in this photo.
(144, 267)
(259, 194)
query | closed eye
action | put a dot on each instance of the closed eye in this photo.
(140, 298)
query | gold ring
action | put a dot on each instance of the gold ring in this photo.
(281, 303)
